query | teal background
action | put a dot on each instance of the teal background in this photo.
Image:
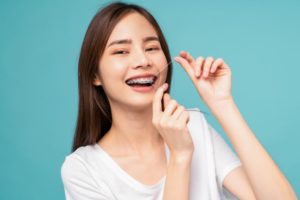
(39, 48)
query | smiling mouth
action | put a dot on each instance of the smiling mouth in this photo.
(142, 82)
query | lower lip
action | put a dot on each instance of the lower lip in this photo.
(142, 89)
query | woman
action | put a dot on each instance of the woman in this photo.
(133, 141)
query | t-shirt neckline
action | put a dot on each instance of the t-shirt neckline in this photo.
(127, 177)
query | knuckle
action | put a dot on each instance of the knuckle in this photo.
(185, 114)
(181, 107)
(220, 60)
(173, 101)
(199, 59)
(210, 58)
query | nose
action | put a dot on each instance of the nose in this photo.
(140, 59)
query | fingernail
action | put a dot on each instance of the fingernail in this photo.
(176, 58)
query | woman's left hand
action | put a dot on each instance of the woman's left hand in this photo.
(212, 78)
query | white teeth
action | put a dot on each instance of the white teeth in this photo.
(141, 81)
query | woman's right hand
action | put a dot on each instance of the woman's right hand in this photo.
(172, 124)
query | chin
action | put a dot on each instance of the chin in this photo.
(140, 105)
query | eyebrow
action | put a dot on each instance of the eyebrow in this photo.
(128, 41)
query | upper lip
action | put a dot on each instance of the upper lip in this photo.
(141, 76)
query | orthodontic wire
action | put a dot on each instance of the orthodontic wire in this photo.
(164, 68)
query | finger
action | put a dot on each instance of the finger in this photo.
(225, 66)
(186, 66)
(157, 107)
(166, 99)
(198, 66)
(207, 65)
(188, 57)
(170, 108)
(180, 109)
(216, 64)
(184, 117)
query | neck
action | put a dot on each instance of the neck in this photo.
(132, 131)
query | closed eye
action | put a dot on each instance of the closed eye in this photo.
(120, 52)
(152, 49)
(126, 52)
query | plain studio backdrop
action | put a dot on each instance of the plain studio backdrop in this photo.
(39, 48)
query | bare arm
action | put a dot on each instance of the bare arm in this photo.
(238, 184)
(171, 124)
(212, 79)
(265, 177)
(178, 178)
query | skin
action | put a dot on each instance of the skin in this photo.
(134, 136)
(131, 111)
(257, 178)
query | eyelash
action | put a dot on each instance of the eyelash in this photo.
(120, 52)
(154, 48)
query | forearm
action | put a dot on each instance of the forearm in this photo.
(178, 178)
(264, 175)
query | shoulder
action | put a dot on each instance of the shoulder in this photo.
(78, 161)
(74, 162)
(76, 155)
(196, 118)
(79, 177)
(196, 113)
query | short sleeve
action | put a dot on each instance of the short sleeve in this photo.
(226, 160)
(78, 183)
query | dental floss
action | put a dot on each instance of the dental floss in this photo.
(165, 92)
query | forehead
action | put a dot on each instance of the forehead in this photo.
(133, 26)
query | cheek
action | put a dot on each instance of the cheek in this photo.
(161, 63)
(112, 75)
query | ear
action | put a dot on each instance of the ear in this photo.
(97, 81)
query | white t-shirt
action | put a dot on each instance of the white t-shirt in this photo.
(89, 173)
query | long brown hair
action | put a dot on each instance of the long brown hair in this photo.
(94, 112)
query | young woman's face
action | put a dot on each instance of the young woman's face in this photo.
(133, 49)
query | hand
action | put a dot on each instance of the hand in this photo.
(212, 78)
(172, 123)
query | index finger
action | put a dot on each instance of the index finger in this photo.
(188, 57)
(156, 105)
